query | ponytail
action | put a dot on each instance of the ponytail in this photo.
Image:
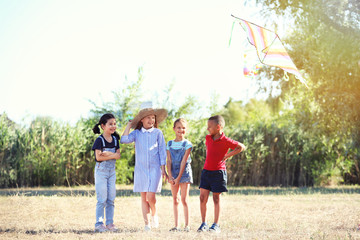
(96, 128)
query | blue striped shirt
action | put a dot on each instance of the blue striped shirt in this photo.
(150, 154)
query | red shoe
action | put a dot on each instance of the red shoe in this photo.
(111, 227)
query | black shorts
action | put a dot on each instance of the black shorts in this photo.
(214, 181)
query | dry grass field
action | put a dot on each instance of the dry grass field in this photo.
(269, 216)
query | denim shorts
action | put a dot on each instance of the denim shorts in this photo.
(214, 181)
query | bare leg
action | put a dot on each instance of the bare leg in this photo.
(152, 201)
(216, 198)
(175, 195)
(184, 200)
(145, 208)
(204, 195)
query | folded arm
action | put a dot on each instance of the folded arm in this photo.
(104, 156)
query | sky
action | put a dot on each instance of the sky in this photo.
(57, 55)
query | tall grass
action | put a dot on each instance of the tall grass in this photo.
(51, 153)
(288, 149)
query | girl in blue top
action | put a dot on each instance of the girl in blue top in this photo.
(106, 148)
(150, 159)
(179, 170)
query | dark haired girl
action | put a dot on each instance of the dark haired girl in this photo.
(106, 148)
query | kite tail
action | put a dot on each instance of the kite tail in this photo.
(232, 28)
(303, 81)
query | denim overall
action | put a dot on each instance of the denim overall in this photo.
(176, 158)
(105, 178)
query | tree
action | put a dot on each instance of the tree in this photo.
(325, 45)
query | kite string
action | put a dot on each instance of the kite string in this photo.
(232, 28)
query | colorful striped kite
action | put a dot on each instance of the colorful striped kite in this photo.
(269, 47)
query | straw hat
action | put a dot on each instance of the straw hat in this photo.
(160, 114)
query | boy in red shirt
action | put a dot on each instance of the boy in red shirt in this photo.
(213, 175)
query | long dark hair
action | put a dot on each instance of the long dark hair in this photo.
(103, 120)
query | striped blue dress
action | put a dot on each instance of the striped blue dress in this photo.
(150, 154)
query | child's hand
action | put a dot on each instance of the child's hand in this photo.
(117, 155)
(225, 158)
(176, 181)
(171, 180)
(129, 123)
(164, 174)
(106, 154)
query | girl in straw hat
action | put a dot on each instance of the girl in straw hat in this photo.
(150, 159)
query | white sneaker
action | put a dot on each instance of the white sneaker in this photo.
(147, 228)
(155, 221)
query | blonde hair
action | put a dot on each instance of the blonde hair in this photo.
(180, 120)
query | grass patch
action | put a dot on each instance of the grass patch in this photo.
(299, 214)
(126, 191)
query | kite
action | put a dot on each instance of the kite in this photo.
(250, 70)
(254, 71)
(269, 48)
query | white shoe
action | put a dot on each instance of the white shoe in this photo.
(155, 221)
(147, 228)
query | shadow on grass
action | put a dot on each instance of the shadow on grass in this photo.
(193, 191)
(53, 231)
(294, 191)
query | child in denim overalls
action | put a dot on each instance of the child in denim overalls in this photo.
(106, 148)
(179, 170)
